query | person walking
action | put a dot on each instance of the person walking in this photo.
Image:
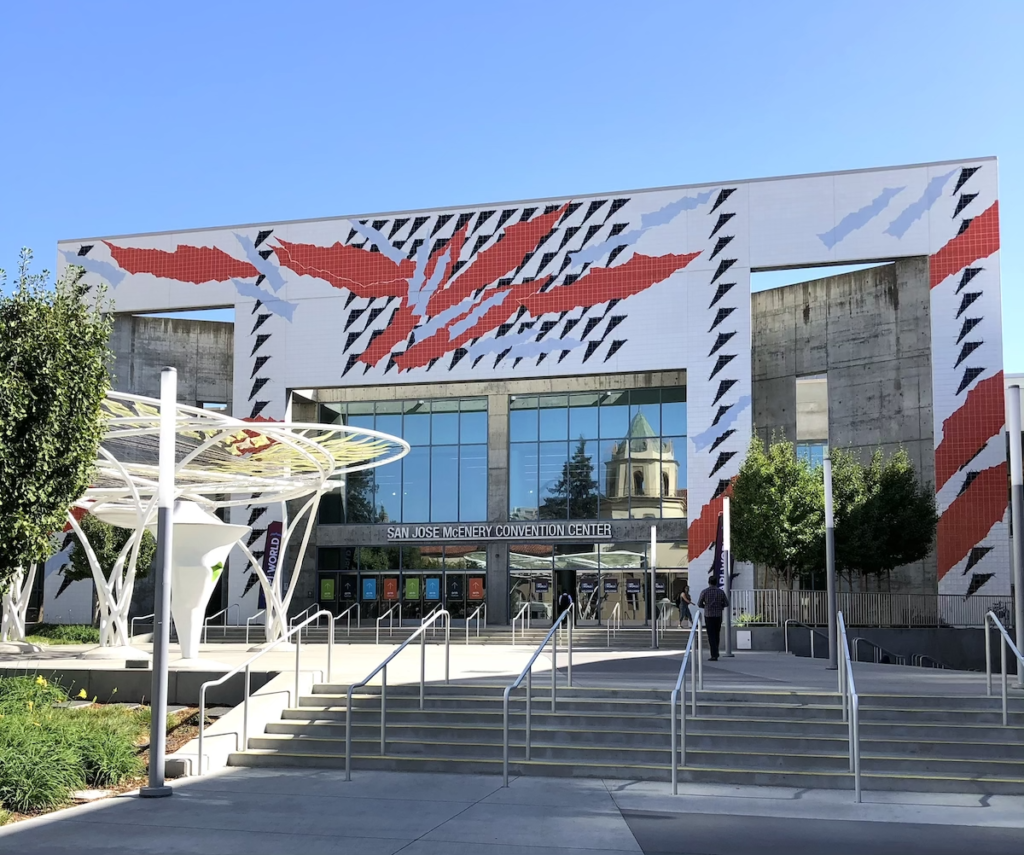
(684, 606)
(714, 602)
(564, 602)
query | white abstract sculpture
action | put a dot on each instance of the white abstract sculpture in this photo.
(201, 546)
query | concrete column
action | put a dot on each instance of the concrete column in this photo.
(497, 506)
(1016, 514)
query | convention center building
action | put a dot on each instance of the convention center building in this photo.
(573, 372)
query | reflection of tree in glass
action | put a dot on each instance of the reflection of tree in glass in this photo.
(576, 491)
(359, 504)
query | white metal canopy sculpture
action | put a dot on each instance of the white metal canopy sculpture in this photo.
(220, 462)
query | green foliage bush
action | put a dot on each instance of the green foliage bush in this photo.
(47, 752)
(60, 633)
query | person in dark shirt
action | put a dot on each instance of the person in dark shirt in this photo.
(714, 602)
(564, 602)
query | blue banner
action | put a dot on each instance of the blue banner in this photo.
(433, 588)
(369, 589)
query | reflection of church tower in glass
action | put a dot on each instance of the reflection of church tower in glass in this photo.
(642, 476)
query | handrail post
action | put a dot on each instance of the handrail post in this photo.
(812, 643)
(693, 683)
(529, 708)
(383, 710)
(245, 711)
(554, 667)
(1002, 669)
(504, 745)
(700, 655)
(423, 668)
(672, 738)
(330, 651)
(447, 647)
(298, 663)
(988, 656)
(202, 720)
(856, 738)
(348, 735)
(572, 622)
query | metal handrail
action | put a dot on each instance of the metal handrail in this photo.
(851, 702)
(918, 660)
(527, 672)
(206, 623)
(481, 608)
(391, 621)
(878, 650)
(245, 666)
(614, 623)
(249, 620)
(131, 624)
(1006, 640)
(681, 682)
(427, 615)
(348, 615)
(304, 613)
(524, 618)
(805, 626)
(382, 669)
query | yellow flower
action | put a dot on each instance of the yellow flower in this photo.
(37, 724)
(41, 681)
(82, 694)
(30, 705)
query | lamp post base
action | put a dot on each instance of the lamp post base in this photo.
(155, 792)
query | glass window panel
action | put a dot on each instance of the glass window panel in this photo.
(472, 426)
(522, 478)
(332, 508)
(522, 402)
(328, 558)
(444, 483)
(416, 486)
(583, 416)
(359, 498)
(364, 421)
(390, 423)
(388, 497)
(583, 480)
(614, 415)
(645, 402)
(673, 418)
(444, 421)
(554, 482)
(674, 471)
(416, 425)
(330, 414)
(522, 419)
(472, 483)
(554, 417)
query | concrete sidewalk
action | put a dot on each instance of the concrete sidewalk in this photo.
(250, 812)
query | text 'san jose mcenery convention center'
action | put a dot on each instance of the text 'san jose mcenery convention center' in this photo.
(571, 371)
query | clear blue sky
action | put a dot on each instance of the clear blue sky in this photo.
(132, 117)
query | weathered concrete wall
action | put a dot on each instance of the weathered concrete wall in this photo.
(202, 351)
(869, 331)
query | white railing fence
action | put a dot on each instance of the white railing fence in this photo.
(772, 607)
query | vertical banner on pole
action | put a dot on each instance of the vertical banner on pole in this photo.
(162, 586)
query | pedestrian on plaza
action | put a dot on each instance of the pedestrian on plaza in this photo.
(564, 603)
(684, 606)
(714, 602)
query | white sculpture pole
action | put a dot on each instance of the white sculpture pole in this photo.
(727, 571)
(654, 596)
(162, 589)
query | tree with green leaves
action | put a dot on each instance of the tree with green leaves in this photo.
(55, 357)
(778, 511)
(892, 524)
(576, 490)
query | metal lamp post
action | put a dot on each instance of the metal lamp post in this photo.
(830, 569)
(727, 572)
(654, 595)
(162, 588)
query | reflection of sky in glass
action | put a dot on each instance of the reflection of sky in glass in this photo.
(444, 483)
(416, 486)
(473, 483)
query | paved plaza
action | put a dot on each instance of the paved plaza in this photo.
(256, 811)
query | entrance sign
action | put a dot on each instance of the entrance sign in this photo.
(476, 587)
(347, 587)
(611, 586)
(541, 586)
(326, 589)
(369, 589)
(455, 588)
(412, 588)
(516, 532)
(391, 588)
(632, 586)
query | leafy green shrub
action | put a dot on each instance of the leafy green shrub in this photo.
(20, 695)
(37, 771)
(747, 619)
(47, 752)
(64, 633)
(5, 816)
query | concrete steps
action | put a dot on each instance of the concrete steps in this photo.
(584, 637)
(778, 738)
